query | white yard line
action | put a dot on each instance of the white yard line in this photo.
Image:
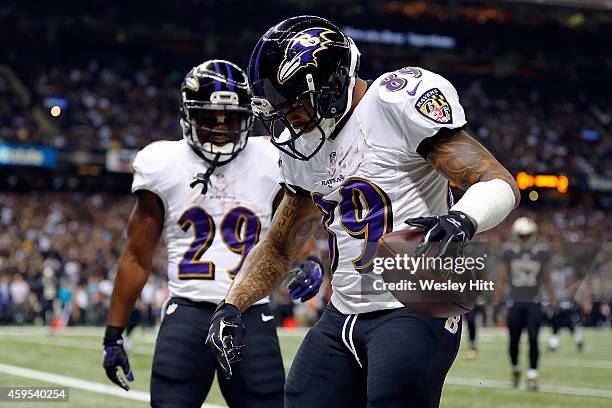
(29, 335)
(566, 362)
(80, 384)
(550, 389)
(554, 362)
(70, 344)
(144, 397)
(68, 331)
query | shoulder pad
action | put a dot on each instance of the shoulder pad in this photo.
(152, 162)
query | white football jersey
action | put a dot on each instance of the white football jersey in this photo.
(370, 178)
(209, 235)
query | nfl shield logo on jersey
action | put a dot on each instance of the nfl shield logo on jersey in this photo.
(333, 156)
(434, 106)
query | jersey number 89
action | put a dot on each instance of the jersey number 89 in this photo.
(365, 214)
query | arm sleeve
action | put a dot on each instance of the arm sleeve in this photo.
(139, 181)
(148, 170)
(143, 169)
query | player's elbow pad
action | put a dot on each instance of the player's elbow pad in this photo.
(487, 202)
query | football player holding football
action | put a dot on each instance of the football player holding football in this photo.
(369, 157)
(209, 226)
(525, 265)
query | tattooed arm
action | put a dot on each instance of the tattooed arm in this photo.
(491, 191)
(310, 247)
(465, 162)
(267, 264)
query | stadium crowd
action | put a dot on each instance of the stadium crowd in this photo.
(116, 106)
(537, 106)
(58, 253)
(59, 250)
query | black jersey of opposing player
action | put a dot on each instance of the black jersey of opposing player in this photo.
(525, 266)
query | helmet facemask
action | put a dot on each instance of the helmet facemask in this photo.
(218, 128)
(323, 92)
(313, 132)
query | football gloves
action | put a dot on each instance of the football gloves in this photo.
(454, 227)
(307, 280)
(226, 336)
(115, 358)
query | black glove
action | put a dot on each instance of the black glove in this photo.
(226, 336)
(453, 227)
(115, 357)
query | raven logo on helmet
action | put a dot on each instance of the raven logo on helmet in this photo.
(301, 51)
(191, 82)
(304, 63)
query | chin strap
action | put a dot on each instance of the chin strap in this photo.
(204, 178)
(352, 74)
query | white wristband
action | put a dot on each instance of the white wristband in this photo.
(487, 202)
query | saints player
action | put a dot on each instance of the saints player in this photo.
(473, 327)
(481, 299)
(525, 265)
(368, 157)
(209, 226)
(564, 276)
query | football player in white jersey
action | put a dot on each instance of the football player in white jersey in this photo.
(370, 157)
(209, 225)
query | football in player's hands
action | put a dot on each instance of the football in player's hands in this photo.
(452, 227)
(423, 300)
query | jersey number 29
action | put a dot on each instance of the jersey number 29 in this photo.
(239, 231)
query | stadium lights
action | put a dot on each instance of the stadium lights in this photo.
(525, 181)
(594, 4)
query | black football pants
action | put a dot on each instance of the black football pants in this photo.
(391, 358)
(523, 315)
(184, 367)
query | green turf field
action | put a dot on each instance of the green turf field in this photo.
(73, 357)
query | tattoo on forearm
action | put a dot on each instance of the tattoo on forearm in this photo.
(465, 162)
(306, 228)
(257, 278)
(267, 264)
(283, 221)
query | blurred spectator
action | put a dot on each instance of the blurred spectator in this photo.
(58, 253)
(5, 299)
(49, 284)
(114, 106)
(538, 107)
(19, 290)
